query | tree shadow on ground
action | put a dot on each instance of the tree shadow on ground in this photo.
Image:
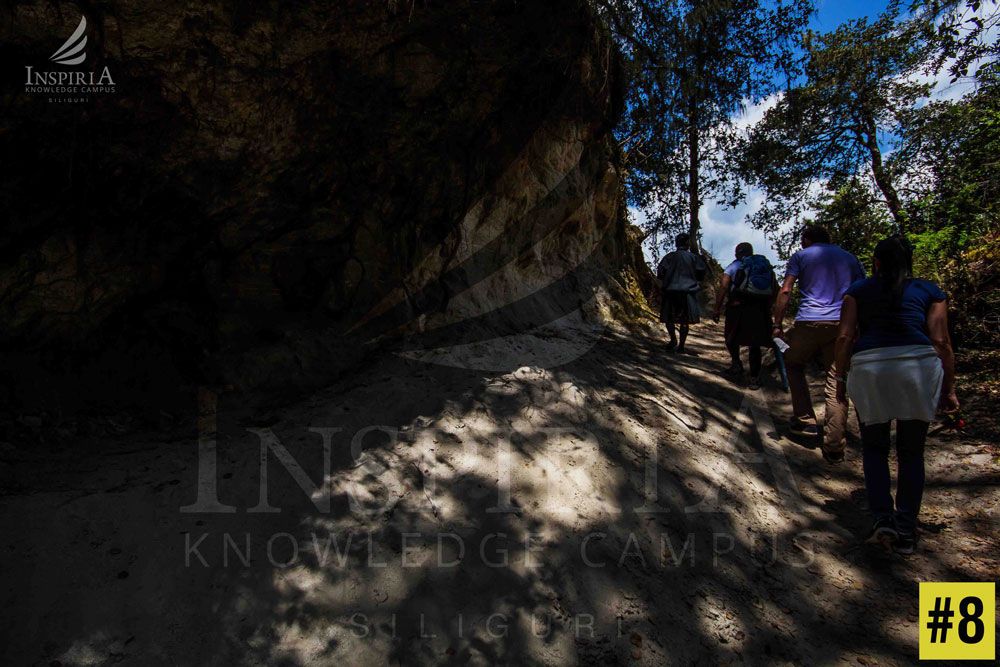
(618, 509)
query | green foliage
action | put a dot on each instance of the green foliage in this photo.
(967, 266)
(853, 137)
(854, 216)
(863, 93)
(933, 251)
(959, 33)
(951, 151)
(832, 127)
(694, 63)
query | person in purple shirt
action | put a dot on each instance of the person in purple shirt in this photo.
(824, 272)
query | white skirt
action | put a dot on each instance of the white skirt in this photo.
(896, 383)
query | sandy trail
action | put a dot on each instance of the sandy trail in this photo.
(628, 507)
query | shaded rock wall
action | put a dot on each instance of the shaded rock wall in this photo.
(273, 188)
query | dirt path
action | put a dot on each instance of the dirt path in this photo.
(628, 507)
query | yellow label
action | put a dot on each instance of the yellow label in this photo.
(958, 621)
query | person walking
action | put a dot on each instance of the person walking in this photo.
(680, 274)
(823, 271)
(748, 288)
(893, 336)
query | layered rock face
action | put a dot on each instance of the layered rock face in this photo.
(274, 188)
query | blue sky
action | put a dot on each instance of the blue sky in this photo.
(728, 227)
(832, 13)
(724, 228)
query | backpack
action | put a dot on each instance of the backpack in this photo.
(755, 277)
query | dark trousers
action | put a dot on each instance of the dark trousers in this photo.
(910, 438)
(755, 357)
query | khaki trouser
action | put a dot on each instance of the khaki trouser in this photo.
(808, 341)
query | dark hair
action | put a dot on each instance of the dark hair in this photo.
(744, 250)
(815, 234)
(683, 240)
(895, 267)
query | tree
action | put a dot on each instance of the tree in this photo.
(850, 210)
(857, 89)
(694, 63)
(962, 33)
(950, 152)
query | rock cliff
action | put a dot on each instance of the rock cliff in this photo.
(274, 188)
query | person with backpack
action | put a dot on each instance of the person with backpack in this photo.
(894, 338)
(680, 274)
(823, 271)
(748, 288)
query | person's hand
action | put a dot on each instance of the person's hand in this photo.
(778, 332)
(949, 402)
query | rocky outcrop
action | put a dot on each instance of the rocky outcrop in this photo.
(272, 189)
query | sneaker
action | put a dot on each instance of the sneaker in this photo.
(671, 346)
(804, 430)
(883, 532)
(754, 384)
(833, 457)
(906, 543)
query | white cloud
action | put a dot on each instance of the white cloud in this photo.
(723, 228)
(754, 113)
(943, 89)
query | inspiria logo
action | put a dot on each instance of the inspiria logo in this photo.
(70, 85)
(67, 54)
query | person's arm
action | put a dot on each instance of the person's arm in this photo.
(845, 342)
(937, 327)
(720, 296)
(781, 303)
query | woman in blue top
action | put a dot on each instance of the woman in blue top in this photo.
(894, 338)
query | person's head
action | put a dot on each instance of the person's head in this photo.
(893, 266)
(743, 250)
(683, 241)
(814, 234)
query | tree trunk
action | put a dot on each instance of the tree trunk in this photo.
(883, 181)
(694, 179)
